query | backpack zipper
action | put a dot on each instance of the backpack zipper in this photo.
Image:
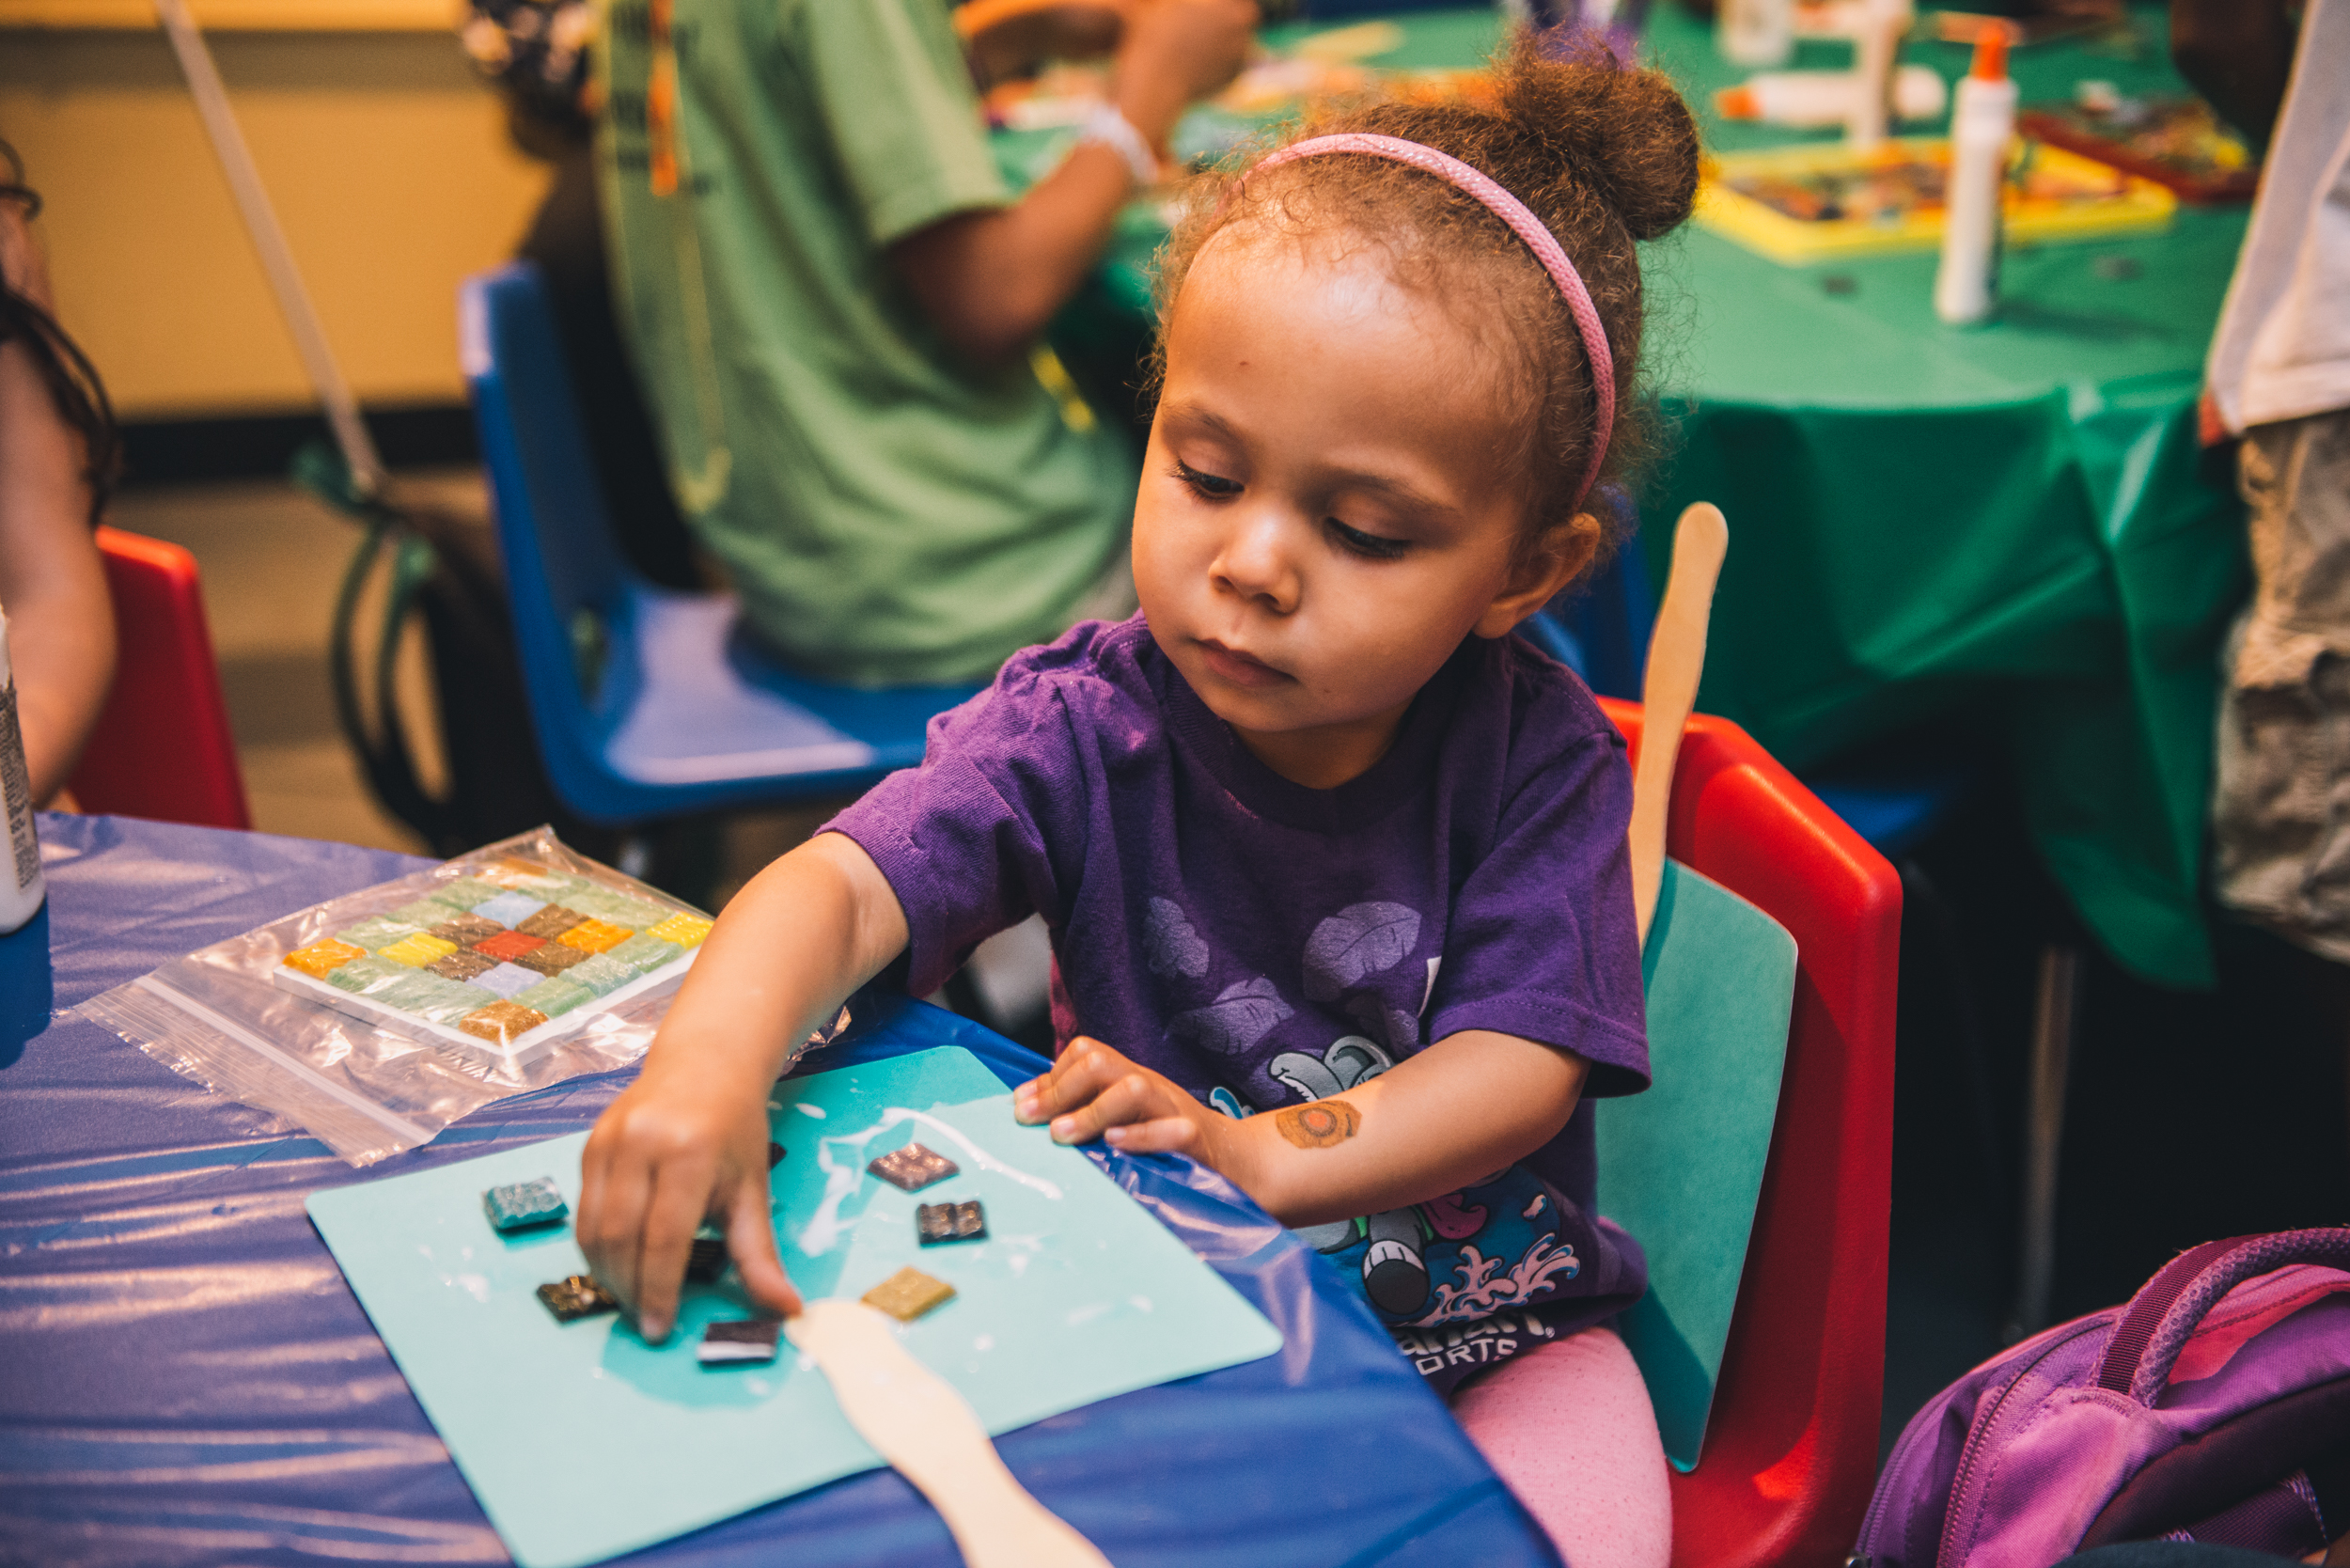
(1978, 1432)
(1878, 1503)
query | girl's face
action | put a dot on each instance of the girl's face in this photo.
(1326, 509)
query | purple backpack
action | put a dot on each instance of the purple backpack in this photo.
(2213, 1406)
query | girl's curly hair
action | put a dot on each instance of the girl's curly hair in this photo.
(72, 382)
(1602, 155)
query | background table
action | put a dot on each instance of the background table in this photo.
(188, 1380)
(2011, 527)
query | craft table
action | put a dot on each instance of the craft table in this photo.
(2011, 526)
(189, 1382)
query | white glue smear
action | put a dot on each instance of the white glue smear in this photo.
(818, 1236)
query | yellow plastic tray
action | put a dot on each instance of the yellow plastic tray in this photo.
(2051, 194)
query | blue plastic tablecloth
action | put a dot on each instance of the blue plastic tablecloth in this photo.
(187, 1379)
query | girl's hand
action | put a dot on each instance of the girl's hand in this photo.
(688, 1140)
(1472, 1103)
(669, 1154)
(1092, 1091)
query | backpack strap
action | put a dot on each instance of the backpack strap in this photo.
(2156, 1325)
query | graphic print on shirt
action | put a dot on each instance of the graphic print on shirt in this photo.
(1496, 1244)
(1242, 1014)
(1169, 944)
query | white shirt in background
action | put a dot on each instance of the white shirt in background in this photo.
(2283, 350)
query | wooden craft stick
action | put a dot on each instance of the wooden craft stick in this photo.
(1676, 657)
(922, 1426)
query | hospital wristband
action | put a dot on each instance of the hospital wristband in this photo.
(1113, 129)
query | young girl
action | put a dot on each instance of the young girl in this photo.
(1334, 866)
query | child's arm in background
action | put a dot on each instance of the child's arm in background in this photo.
(1465, 1107)
(688, 1140)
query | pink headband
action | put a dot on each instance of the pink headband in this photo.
(1525, 224)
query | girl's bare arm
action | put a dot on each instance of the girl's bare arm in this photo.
(688, 1140)
(1465, 1107)
(52, 583)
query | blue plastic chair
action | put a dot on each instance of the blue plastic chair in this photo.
(646, 701)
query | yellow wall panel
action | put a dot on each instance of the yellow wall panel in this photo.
(389, 166)
(325, 15)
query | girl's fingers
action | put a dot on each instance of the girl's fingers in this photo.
(1083, 1071)
(608, 1229)
(587, 1223)
(1166, 1135)
(1131, 1098)
(1028, 1100)
(681, 1197)
(751, 1239)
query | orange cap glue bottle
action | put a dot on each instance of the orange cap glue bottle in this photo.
(1982, 124)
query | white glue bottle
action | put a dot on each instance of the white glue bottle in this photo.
(22, 885)
(1755, 33)
(1981, 126)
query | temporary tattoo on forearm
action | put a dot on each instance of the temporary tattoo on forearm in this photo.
(1323, 1124)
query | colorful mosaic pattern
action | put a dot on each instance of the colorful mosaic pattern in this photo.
(463, 965)
(686, 930)
(598, 974)
(507, 945)
(507, 979)
(595, 936)
(550, 922)
(418, 951)
(644, 953)
(550, 958)
(500, 953)
(363, 975)
(553, 997)
(321, 959)
(378, 932)
(500, 1023)
(465, 929)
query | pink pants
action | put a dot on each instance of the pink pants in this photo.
(1569, 1427)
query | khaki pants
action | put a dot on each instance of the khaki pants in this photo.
(2280, 807)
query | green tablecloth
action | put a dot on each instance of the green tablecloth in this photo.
(1934, 523)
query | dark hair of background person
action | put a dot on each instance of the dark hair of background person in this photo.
(1603, 156)
(72, 380)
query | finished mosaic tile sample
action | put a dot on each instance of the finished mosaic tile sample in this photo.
(497, 955)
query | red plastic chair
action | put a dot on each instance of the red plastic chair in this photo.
(162, 748)
(1791, 1453)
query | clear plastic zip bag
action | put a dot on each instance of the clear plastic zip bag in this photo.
(374, 1020)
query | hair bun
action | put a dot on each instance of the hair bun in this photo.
(1622, 131)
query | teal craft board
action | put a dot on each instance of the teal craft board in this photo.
(582, 1441)
(1681, 1165)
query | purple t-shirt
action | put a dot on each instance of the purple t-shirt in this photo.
(1262, 943)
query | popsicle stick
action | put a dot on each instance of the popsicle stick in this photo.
(1676, 657)
(917, 1423)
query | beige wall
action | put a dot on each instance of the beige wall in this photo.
(389, 166)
